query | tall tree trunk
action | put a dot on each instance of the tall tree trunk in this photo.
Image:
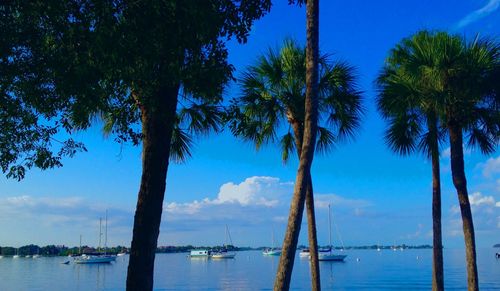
(311, 215)
(460, 182)
(437, 250)
(157, 124)
(287, 258)
(313, 238)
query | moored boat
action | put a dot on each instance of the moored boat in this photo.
(224, 253)
(99, 257)
(94, 259)
(199, 254)
(304, 253)
(272, 251)
(328, 255)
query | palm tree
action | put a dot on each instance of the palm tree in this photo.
(462, 79)
(472, 107)
(303, 179)
(271, 109)
(408, 100)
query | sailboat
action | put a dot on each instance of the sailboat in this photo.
(272, 251)
(224, 253)
(98, 258)
(16, 255)
(329, 255)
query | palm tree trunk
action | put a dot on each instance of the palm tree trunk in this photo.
(460, 182)
(311, 214)
(313, 238)
(287, 258)
(157, 124)
(437, 250)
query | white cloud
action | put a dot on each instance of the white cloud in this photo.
(29, 201)
(491, 167)
(255, 190)
(259, 202)
(486, 215)
(51, 219)
(474, 16)
(477, 199)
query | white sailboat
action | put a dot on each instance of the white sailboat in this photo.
(304, 253)
(272, 251)
(224, 253)
(98, 258)
(16, 255)
(329, 255)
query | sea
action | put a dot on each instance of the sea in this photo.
(409, 269)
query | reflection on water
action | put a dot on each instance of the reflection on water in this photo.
(253, 271)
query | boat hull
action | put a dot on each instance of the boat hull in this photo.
(223, 256)
(271, 253)
(331, 257)
(94, 259)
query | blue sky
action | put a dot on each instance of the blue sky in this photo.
(376, 196)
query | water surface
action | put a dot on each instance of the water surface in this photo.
(384, 270)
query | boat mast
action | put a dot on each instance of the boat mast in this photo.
(106, 233)
(229, 236)
(330, 226)
(226, 238)
(100, 234)
(272, 247)
(80, 248)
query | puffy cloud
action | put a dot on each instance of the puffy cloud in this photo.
(257, 202)
(491, 167)
(477, 199)
(255, 191)
(260, 192)
(486, 214)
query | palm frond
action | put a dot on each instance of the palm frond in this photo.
(201, 118)
(325, 141)
(180, 145)
(403, 133)
(287, 143)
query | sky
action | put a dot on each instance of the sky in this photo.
(376, 196)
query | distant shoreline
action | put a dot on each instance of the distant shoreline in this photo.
(61, 250)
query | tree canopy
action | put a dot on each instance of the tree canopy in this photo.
(64, 64)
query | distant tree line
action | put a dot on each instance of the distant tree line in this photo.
(55, 250)
(61, 250)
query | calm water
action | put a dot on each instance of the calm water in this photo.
(385, 270)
